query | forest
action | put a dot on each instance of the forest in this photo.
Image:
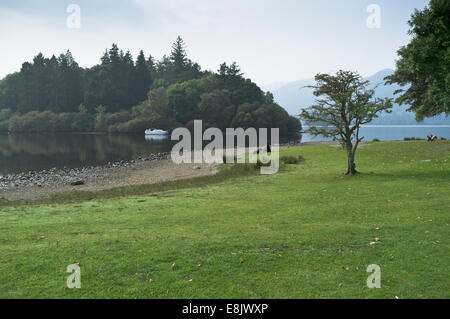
(123, 95)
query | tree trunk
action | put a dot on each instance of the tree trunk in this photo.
(351, 168)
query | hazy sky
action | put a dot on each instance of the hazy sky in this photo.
(272, 40)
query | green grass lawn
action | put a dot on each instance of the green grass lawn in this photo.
(305, 232)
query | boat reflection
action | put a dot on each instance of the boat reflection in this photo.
(156, 137)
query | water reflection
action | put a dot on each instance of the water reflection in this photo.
(156, 137)
(26, 152)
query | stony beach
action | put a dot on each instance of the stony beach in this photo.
(152, 169)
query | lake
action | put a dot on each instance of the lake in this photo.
(33, 152)
(392, 132)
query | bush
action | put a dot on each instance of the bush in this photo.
(4, 126)
(117, 118)
(33, 122)
(64, 122)
(375, 140)
(260, 164)
(292, 159)
(133, 126)
(47, 121)
(5, 114)
(83, 122)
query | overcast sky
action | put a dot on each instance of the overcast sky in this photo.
(272, 40)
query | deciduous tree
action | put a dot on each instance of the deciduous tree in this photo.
(424, 64)
(344, 103)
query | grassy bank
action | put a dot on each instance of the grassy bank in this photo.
(304, 232)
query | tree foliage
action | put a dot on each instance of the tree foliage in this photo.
(424, 63)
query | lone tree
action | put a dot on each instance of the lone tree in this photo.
(343, 104)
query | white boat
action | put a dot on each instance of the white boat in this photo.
(155, 132)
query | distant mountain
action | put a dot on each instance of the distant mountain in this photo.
(273, 86)
(293, 96)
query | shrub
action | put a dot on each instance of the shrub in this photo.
(134, 126)
(33, 122)
(260, 164)
(5, 114)
(375, 140)
(117, 118)
(292, 159)
(4, 126)
(83, 122)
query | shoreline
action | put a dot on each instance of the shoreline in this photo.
(150, 170)
(153, 169)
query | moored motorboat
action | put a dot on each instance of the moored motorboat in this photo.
(155, 132)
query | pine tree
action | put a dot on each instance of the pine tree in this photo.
(114, 55)
(142, 77)
(105, 58)
(151, 65)
(70, 92)
(179, 56)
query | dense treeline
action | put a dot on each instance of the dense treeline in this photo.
(123, 95)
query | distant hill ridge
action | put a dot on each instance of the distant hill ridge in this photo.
(293, 96)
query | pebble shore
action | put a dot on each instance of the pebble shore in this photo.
(55, 177)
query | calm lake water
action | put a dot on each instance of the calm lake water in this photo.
(393, 132)
(31, 152)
